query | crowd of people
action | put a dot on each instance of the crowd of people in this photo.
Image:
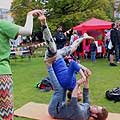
(109, 47)
(113, 44)
(62, 77)
(88, 49)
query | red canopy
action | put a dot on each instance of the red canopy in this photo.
(93, 24)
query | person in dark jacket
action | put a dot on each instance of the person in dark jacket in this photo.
(93, 48)
(111, 50)
(115, 34)
(60, 38)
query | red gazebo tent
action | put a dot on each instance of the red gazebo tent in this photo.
(93, 24)
(93, 27)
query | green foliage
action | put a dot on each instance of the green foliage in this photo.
(20, 8)
(66, 12)
(72, 12)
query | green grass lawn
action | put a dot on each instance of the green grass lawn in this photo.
(26, 73)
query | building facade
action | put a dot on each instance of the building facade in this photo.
(5, 14)
(116, 13)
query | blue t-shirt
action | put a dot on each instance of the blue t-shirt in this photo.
(66, 75)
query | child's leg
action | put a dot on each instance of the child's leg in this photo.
(71, 77)
(72, 48)
(73, 67)
(52, 49)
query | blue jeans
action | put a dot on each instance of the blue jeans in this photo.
(93, 56)
(117, 48)
(58, 98)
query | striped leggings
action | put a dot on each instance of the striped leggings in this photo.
(6, 98)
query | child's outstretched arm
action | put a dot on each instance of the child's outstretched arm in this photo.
(52, 49)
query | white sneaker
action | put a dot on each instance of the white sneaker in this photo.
(86, 36)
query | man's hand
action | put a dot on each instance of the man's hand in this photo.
(87, 72)
(77, 87)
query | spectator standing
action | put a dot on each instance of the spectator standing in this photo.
(111, 45)
(106, 42)
(115, 34)
(60, 38)
(117, 47)
(93, 48)
(73, 38)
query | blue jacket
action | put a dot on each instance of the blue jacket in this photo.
(60, 39)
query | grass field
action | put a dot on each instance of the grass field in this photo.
(27, 73)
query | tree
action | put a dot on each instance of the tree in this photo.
(20, 8)
(73, 12)
(66, 12)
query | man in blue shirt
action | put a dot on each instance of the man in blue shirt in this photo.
(59, 108)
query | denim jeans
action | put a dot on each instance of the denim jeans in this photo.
(93, 56)
(58, 98)
(117, 53)
(58, 107)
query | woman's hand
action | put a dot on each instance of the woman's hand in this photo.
(35, 12)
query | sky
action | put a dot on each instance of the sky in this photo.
(5, 4)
